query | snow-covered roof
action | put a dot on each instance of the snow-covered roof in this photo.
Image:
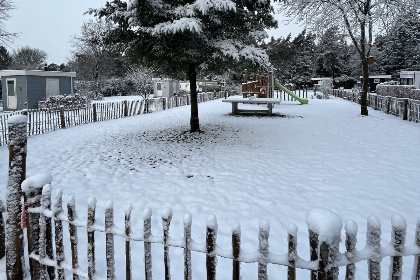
(36, 73)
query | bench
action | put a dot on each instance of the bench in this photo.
(252, 100)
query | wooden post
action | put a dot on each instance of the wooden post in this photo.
(2, 236)
(405, 113)
(416, 270)
(313, 245)
(17, 173)
(211, 259)
(125, 108)
(91, 237)
(166, 221)
(263, 249)
(351, 239)
(71, 211)
(187, 249)
(399, 229)
(236, 249)
(58, 225)
(62, 118)
(45, 242)
(374, 243)
(292, 254)
(109, 236)
(147, 232)
(95, 116)
(128, 210)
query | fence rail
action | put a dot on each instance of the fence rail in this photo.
(42, 121)
(324, 261)
(405, 108)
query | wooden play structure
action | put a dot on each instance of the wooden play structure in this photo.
(261, 86)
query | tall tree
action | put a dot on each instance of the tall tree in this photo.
(187, 36)
(28, 58)
(5, 58)
(357, 17)
(92, 57)
(5, 7)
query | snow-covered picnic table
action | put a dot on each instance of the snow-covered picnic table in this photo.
(252, 100)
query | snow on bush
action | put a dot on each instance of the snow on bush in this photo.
(327, 87)
(70, 101)
(395, 90)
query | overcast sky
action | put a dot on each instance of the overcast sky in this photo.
(50, 24)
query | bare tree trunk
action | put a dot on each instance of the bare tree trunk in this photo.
(192, 75)
(363, 99)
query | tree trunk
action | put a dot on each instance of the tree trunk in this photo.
(192, 75)
(363, 99)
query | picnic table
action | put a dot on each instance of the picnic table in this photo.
(252, 100)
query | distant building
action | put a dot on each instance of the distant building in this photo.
(410, 78)
(201, 85)
(165, 87)
(23, 89)
(375, 80)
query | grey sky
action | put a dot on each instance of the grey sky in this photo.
(50, 24)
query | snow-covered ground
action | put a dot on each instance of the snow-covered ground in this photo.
(242, 169)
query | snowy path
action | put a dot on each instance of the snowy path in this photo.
(242, 169)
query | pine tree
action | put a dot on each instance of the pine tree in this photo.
(186, 36)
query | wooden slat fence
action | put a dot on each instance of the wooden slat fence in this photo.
(43, 121)
(405, 108)
(324, 261)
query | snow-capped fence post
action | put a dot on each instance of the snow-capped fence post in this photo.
(292, 254)
(416, 270)
(32, 194)
(109, 236)
(58, 225)
(2, 237)
(236, 250)
(147, 233)
(211, 259)
(399, 229)
(263, 234)
(91, 237)
(166, 221)
(45, 236)
(127, 226)
(187, 249)
(125, 108)
(373, 241)
(314, 251)
(71, 211)
(351, 239)
(17, 173)
(327, 225)
(62, 117)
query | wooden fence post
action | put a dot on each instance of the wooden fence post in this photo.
(405, 112)
(147, 232)
(62, 118)
(32, 194)
(2, 237)
(91, 237)
(373, 241)
(166, 221)
(263, 249)
(211, 259)
(45, 241)
(95, 114)
(109, 235)
(187, 249)
(327, 225)
(58, 225)
(236, 249)
(17, 173)
(128, 211)
(314, 252)
(351, 234)
(399, 229)
(72, 216)
(416, 270)
(292, 254)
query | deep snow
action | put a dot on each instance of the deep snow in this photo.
(241, 169)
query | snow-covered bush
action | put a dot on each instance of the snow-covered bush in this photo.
(399, 91)
(69, 101)
(345, 81)
(327, 87)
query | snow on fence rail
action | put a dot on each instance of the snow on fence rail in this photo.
(405, 108)
(324, 233)
(42, 121)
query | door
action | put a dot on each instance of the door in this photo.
(53, 87)
(11, 94)
(159, 91)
